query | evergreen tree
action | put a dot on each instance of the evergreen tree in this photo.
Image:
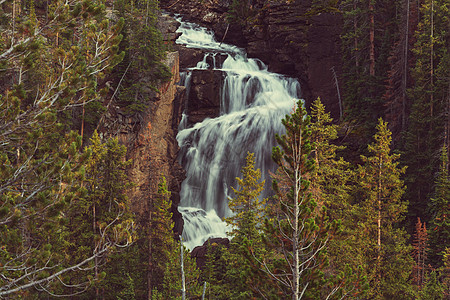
(420, 253)
(101, 211)
(388, 262)
(429, 113)
(164, 271)
(298, 235)
(243, 278)
(440, 212)
(367, 39)
(144, 54)
(247, 208)
(331, 174)
(330, 186)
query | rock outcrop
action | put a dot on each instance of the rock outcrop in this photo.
(200, 252)
(150, 137)
(204, 95)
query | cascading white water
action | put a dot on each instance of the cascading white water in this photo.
(253, 102)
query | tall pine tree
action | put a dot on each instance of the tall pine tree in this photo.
(382, 208)
(298, 234)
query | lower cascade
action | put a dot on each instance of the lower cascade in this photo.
(253, 102)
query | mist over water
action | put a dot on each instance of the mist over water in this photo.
(253, 102)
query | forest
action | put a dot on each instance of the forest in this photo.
(360, 205)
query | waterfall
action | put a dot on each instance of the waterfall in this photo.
(253, 102)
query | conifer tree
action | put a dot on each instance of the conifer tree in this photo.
(101, 211)
(429, 112)
(243, 278)
(440, 212)
(247, 208)
(331, 174)
(330, 186)
(164, 269)
(420, 253)
(144, 54)
(387, 256)
(368, 33)
(298, 235)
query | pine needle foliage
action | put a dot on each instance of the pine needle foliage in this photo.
(298, 234)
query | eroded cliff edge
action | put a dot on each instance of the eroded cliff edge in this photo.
(150, 137)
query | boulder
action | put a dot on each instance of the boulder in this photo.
(204, 95)
(199, 252)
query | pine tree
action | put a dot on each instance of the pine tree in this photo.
(144, 54)
(368, 34)
(420, 253)
(331, 174)
(429, 113)
(243, 277)
(387, 256)
(298, 235)
(440, 212)
(247, 208)
(102, 211)
(164, 271)
(330, 186)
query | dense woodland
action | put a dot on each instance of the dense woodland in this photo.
(360, 206)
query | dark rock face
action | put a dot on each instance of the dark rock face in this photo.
(204, 95)
(283, 36)
(188, 57)
(199, 252)
(324, 52)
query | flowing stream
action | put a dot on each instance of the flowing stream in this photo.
(253, 102)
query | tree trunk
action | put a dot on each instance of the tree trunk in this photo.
(183, 280)
(405, 71)
(431, 63)
(372, 39)
(296, 272)
(379, 228)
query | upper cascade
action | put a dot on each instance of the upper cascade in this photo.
(195, 36)
(253, 102)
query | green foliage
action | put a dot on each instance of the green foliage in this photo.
(298, 234)
(247, 208)
(362, 91)
(331, 186)
(243, 278)
(164, 266)
(429, 95)
(101, 210)
(386, 254)
(440, 211)
(145, 51)
(433, 289)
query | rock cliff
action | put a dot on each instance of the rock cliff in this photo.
(150, 137)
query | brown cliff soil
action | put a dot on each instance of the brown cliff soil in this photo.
(150, 137)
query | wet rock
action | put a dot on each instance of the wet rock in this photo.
(189, 57)
(168, 26)
(204, 95)
(199, 252)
